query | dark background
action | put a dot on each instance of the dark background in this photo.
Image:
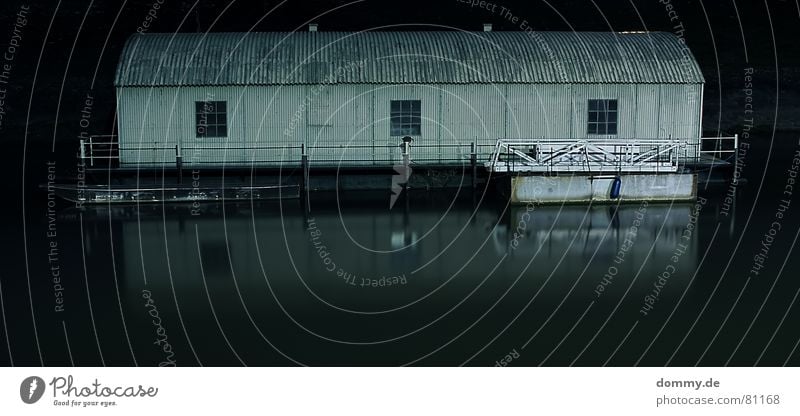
(70, 49)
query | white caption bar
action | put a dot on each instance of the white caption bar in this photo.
(403, 391)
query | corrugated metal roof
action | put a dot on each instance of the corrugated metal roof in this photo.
(263, 58)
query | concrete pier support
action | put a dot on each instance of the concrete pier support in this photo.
(597, 189)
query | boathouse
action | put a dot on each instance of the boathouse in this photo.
(347, 99)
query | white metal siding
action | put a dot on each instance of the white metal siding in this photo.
(348, 124)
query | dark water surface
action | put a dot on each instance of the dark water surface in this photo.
(440, 279)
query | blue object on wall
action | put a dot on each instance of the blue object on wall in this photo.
(615, 186)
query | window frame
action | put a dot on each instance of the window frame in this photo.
(405, 117)
(215, 115)
(602, 117)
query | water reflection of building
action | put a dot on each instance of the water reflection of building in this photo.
(580, 233)
(576, 245)
(272, 247)
(277, 241)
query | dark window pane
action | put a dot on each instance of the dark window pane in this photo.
(211, 118)
(601, 117)
(404, 117)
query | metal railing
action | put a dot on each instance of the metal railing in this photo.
(723, 148)
(106, 151)
(608, 155)
(506, 155)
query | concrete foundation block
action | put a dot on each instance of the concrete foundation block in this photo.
(586, 188)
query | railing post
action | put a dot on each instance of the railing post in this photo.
(91, 152)
(82, 151)
(473, 158)
(508, 157)
(304, 167)
(179, 164)
(406, 151)
(513, 160)
(406, 154)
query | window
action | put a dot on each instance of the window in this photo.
(405, 115)
(602, 117)
(211, 118)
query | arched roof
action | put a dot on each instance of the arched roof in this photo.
(291, 58)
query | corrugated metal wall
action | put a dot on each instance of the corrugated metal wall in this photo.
(349, 125)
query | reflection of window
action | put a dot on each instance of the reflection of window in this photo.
(211, 118)
(405, 115)
(602, 117)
